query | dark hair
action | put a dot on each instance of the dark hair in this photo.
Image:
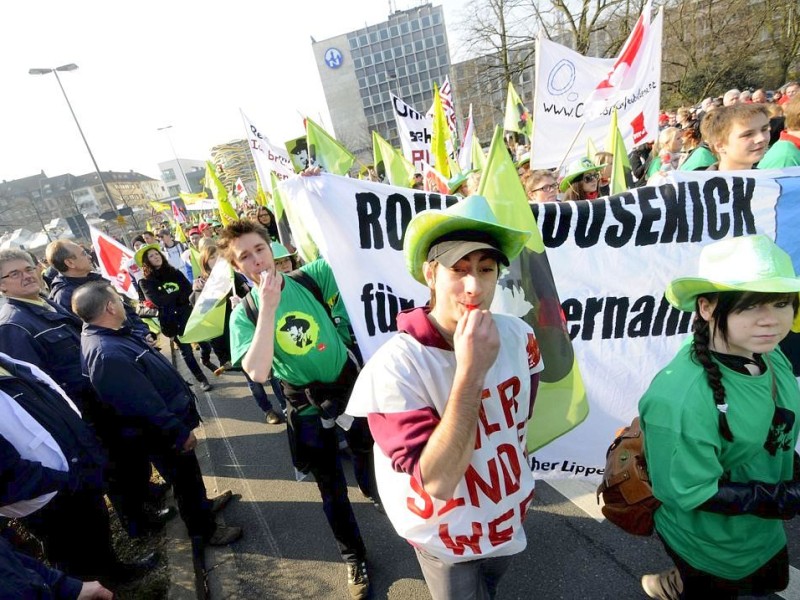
(58, 252)
(149, 271)
(89, 300)
(234, 231)
(726, 303)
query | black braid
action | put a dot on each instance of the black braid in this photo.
(701, 352)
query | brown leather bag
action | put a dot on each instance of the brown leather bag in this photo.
(626, 490)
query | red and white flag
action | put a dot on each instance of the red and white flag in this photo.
(241, 191)
(114, 259)
(178, 213)
(465, 153)
(623, 76)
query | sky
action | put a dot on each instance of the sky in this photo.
(148, 64)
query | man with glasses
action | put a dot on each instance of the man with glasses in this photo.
(43, 333)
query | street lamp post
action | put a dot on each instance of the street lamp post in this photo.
(73, 67)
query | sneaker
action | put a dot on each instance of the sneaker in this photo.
(224, 535)
(666, 585)
(358, 580)
(221, 501)
(205, 386)
(273, 418)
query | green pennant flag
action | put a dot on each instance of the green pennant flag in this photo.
(591, 149)
(561, 402)
(518, 118)
(207, 320)
(440, 136)
(390, 164)
(227, 214)
(325, 151)
(291, 231)
(478, 157)
(621, 178)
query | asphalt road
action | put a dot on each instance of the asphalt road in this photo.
(288, 551)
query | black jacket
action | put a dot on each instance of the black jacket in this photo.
(141, 387)
(170, 291)
(63, 287)
(22, 479)
(49, 339)
(25, 578)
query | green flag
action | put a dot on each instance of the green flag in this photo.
(390, 164)
(531, 293)
(324, 150)
(518, 118)
(591, 149)
(440, 136)
(226, 212)
(478, 157)
(207, 320)
(620, 163)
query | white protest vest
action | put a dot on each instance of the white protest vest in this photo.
(484, 517)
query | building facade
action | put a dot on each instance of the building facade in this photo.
(181, 175)
(404, 56)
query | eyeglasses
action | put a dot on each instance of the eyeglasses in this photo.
(589, 177)
(550, 187)
(18, 274)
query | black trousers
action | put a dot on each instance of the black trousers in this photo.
(771, 577)
(75, 531)
(319, 448)
(182, 471)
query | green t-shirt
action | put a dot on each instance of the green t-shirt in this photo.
(782, 154)
(700, 158)
(686, 457)
(308, 346)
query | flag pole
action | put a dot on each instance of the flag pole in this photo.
(571, 145)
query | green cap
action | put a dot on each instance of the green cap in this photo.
(577, 169)
(751, 263)
(139, 256)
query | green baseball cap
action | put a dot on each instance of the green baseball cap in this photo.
(471, 215)
(751, 263)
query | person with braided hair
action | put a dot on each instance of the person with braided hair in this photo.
(720, 427)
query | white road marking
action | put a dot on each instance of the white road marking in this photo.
(793, 591)
(581, 493)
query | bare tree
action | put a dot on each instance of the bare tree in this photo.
(709, 47)
(782, 29)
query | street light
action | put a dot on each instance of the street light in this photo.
(166, 129)
(67, 68)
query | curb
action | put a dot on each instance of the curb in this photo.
(220, 579)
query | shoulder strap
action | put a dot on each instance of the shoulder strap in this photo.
(250, 308)
(308, 282)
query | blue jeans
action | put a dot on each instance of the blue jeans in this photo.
(260, 394)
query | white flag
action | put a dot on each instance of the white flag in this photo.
(114, 259)
(465, 153)
(415, 131)
(623, 76)
(268, 157)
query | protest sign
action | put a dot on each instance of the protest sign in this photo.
(415, 131)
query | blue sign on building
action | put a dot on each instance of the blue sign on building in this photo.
(333, 58)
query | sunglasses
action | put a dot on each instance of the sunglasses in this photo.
(589, 177)
(550, 187)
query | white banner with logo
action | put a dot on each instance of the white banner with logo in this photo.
(565, 79)
(611, 258)
(415, 130)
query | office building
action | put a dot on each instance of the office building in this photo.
(404, 55)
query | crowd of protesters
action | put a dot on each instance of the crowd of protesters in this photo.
(93, 408)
